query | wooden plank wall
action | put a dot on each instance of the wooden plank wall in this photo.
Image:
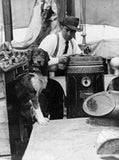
(7, 18)
(5, 152)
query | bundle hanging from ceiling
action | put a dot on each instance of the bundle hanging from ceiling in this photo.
(43, 22)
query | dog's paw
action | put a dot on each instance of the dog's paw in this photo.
(42, 121)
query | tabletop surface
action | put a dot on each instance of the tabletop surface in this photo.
(66, 139)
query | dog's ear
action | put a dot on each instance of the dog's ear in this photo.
(32, 48)
(31, 54)
(47, 58)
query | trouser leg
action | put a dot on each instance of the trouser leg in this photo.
(51, 100)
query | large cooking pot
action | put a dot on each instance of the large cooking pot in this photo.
(85, 64)
(76, 59)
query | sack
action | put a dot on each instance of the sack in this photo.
(53, 68)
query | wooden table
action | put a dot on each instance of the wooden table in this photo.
(67, 139)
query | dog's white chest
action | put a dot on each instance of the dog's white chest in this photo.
(39, 83)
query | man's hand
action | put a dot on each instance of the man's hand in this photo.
(62, 64)
(63, 59)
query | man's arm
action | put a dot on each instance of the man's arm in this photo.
(48, 44)
(53, 61)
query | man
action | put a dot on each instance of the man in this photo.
(69, 26)
(59, 46)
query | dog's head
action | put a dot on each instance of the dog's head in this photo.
(39, 61)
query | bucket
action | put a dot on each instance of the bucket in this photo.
(115, 113)
(102, 104)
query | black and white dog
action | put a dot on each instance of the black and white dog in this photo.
(30, 84)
